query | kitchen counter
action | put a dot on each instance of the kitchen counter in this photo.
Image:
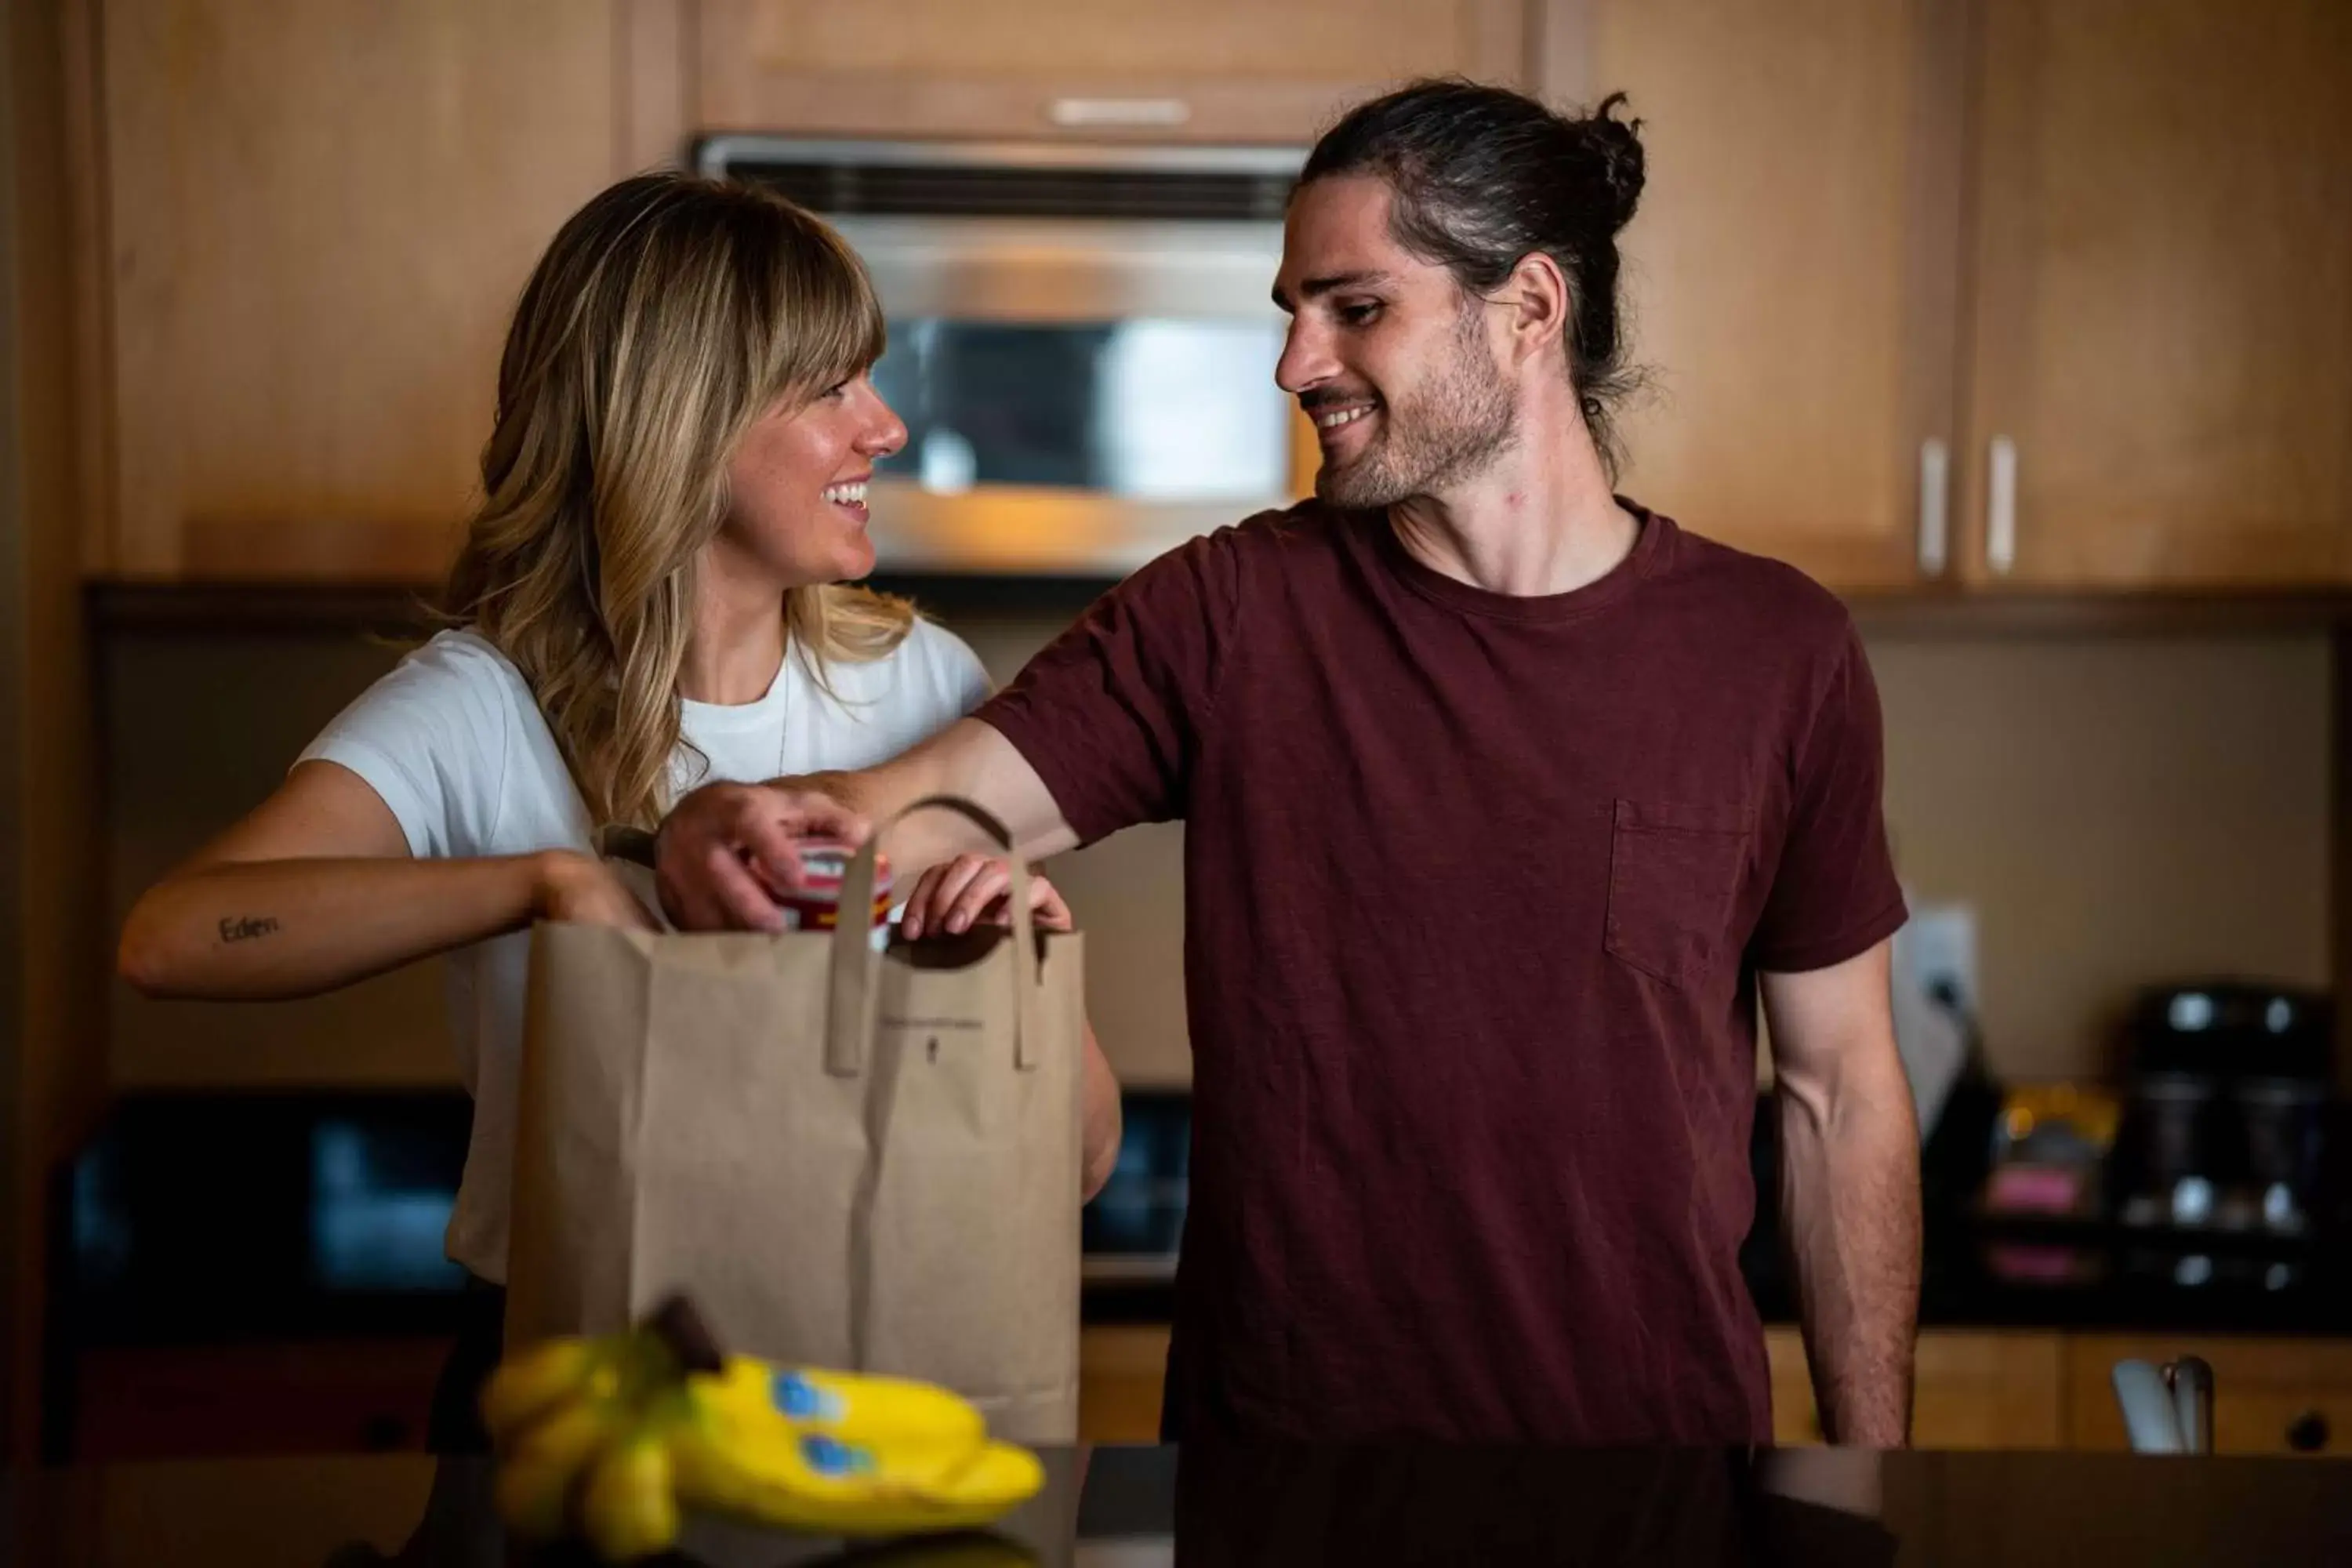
(1138, 1508)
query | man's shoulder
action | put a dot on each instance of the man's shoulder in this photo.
(1757, 594)
(1300, 545)
(1304, 525)
(1215, 567)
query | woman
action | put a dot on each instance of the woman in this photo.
(652, 595)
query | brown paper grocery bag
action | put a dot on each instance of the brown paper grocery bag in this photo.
(856, 1160)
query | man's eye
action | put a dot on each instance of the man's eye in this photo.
(1359, 315)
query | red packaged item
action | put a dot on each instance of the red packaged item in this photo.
(815, 904)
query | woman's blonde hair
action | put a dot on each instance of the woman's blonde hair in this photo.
(670, 314)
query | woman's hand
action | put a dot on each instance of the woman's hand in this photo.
(585, 891)
(977, 890)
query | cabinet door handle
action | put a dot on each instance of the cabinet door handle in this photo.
(2308, 1434)
(1119, 111)
(2001, 504)
(1935, 492)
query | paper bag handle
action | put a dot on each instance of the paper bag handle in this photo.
(849, 1020)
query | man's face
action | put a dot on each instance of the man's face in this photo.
(1387, 353)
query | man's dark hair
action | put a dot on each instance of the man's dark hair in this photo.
(1483, 177)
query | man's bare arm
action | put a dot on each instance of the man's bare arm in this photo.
(1849, 1191)
(970, 759)
(728, 849)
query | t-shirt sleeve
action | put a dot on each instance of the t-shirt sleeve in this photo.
(430, 738)
(1834, 894)
(1112, 714)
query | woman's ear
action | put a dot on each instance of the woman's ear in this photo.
(1540, 303)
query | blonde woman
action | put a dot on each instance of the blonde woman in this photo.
(652, 595)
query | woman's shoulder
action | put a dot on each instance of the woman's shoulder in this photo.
(463, 655)
(933, 648)
(931, 679)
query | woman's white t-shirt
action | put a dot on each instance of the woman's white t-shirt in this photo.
(455, 745)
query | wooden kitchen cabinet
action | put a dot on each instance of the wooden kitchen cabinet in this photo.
(2269, 1396)
(1121, 1368)
(314, 219)
(1209, 71)
(2163, 300)
(1972, 1389)
(1791, 274)
(322, 1397)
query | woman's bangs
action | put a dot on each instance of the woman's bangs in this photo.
(829, 328)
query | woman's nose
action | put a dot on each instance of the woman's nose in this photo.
(885, 432)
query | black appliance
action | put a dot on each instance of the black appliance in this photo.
(2227, 1098)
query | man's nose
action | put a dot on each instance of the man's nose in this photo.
(1305, 361)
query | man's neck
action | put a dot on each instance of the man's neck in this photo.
(1540, 520)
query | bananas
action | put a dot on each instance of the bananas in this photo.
(534, 1483)
(893, 1477)
(610, 1437)
(526, 1387)
(855, 1409)
(629, 1508)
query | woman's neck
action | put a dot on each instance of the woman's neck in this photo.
(736, 645)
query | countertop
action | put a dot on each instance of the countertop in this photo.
(1138, 1508)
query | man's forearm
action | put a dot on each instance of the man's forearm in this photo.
(1850, 1200)
(970, 761)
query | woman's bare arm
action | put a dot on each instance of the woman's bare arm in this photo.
(316, 888)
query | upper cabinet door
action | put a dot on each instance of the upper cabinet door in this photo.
(317, 217)
(1790, 275)
(2163, 327)
(1205, 69)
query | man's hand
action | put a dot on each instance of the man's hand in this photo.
(727, 850)
(977, 890)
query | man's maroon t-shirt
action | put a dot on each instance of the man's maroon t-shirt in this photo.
(1475, 891)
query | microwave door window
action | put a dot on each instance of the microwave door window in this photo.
(1149, 409)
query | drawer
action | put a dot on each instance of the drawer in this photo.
(1121, 1367)
(2269, 1396)
(337, 1396)
(1972, 1389)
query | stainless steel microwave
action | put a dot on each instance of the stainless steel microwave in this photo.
(1082, 341)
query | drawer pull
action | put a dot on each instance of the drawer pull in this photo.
(1119, 111)
(2307, 1433)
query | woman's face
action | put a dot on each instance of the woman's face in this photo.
(796, 487)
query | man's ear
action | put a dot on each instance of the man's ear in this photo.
(1540, 305)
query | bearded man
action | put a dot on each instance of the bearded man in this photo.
(1506, 798)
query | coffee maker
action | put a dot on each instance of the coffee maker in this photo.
(2226, 1102)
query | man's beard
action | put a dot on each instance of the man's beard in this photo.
(1449, 430)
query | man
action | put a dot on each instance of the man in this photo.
(1504, 799)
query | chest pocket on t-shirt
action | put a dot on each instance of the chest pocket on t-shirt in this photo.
(1674, 871)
